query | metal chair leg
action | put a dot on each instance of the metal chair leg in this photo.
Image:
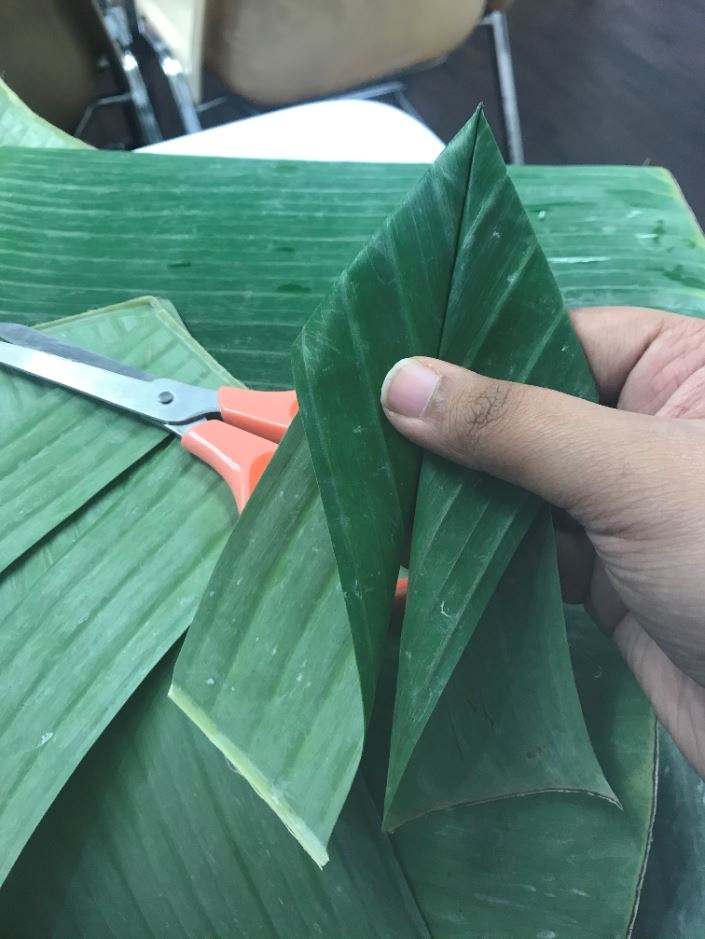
(119, 23)
(497, 23)
(174, 74)
(127, 30)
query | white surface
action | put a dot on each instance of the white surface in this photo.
(348, 130)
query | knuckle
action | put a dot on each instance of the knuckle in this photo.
(475, 413)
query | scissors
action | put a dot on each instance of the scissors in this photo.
(233, 430)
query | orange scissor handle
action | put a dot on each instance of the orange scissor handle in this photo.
(239, 457)
(401, 592)
(265, 413)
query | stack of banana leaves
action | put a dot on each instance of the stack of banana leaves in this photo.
(215, 726)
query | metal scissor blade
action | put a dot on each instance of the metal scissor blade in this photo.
(30, 338)
(158, 399)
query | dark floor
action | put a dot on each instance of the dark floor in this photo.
(599, 81)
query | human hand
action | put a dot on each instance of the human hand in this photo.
(630, 472)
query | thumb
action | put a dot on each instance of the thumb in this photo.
(580, 456)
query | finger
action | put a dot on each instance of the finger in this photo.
(679, 701)
(636, 354)
(597, 463)
(613, 340)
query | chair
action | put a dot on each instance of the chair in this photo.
(56, 55)
(275, 52)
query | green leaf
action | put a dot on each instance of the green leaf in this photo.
(88, 612)
(509, 720)
(281, 694)
(284, 530)
(156, 836)
(256, 244)
(548, 866)
(504, 318)
(389, 304)
(673, 898)
(95, 227)
(617, 235)
(20, 126)
(48, 431)
(456, 272)
(264, 240)
(268, 669)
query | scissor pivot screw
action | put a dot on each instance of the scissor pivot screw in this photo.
(165, 397)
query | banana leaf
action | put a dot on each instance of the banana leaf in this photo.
(268, 671)
(272, 692)
(673, 898)
(256, 244)
(505, 724)
(155, 836)
(610, 234)
(554, 868)
(109, 585)
(21, 127)
(455, 273)
(43, 476)
(617, 235)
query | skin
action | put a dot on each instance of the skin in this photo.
(628, 473)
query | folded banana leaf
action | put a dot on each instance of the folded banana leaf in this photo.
(554, 868)
(114, 575)
(455, 273)
(505, 723)
(286, 693)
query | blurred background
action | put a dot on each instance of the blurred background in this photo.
(563, 81)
